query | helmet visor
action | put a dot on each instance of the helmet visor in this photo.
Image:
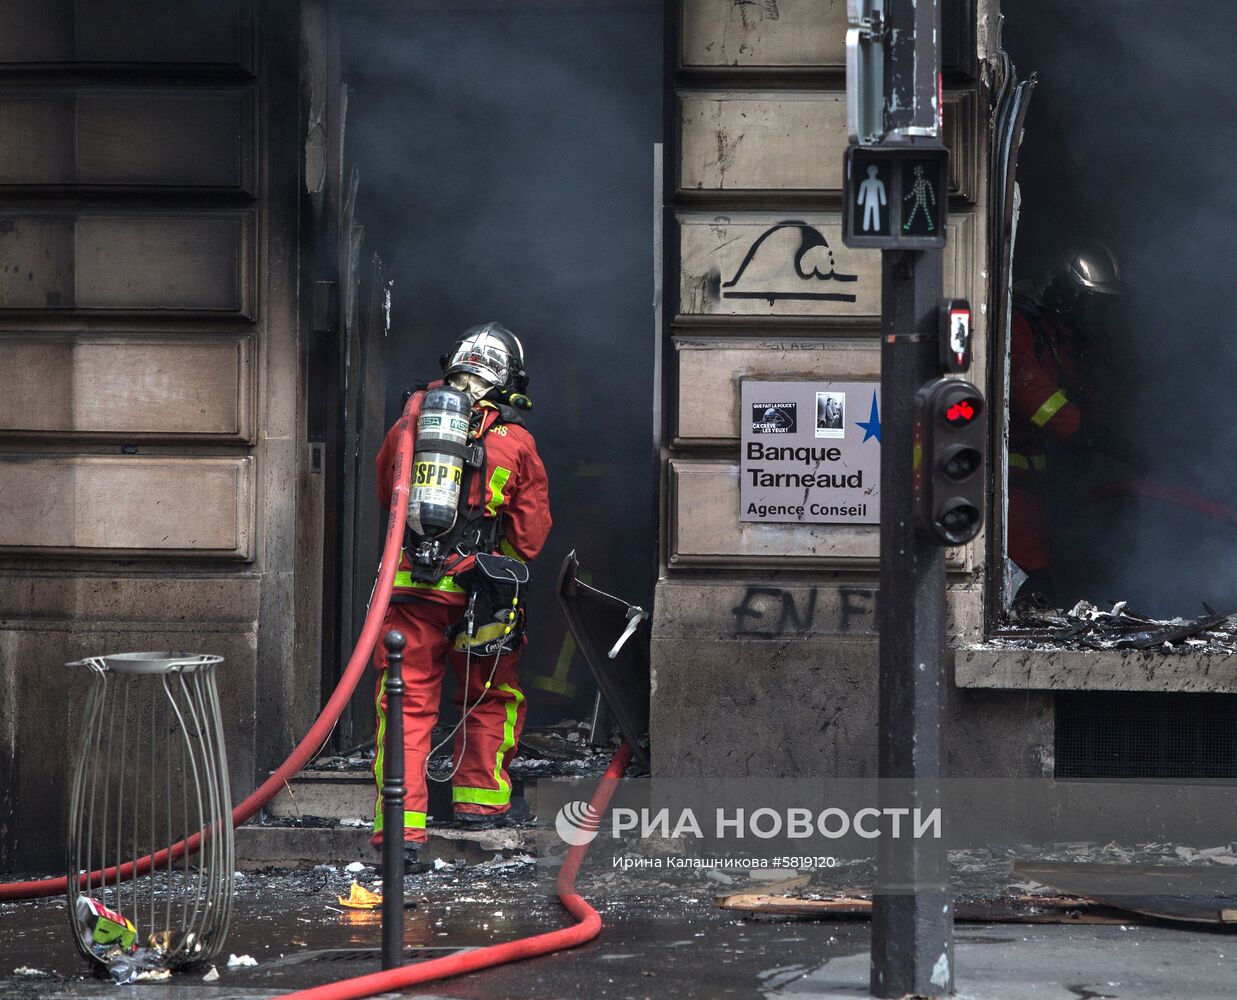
(486, 361)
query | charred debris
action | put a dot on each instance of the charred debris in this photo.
(1035, 624)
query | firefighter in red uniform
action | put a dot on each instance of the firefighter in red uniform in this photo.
(1047, 405)
(445, 604)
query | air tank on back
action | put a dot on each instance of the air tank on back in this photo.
(438, 462)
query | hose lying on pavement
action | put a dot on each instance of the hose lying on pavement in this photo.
(320, 731)
(587, 926)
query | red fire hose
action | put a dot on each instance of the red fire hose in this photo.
(588, 922)
(1168, 494)
(320, 730)
(587, 926)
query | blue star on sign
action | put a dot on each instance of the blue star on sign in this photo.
(871, 426)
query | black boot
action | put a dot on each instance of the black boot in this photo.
(518, 813)
(413, 865)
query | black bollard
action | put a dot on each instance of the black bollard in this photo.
(393, 807)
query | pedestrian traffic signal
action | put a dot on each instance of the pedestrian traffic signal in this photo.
(949, 448)
(896, 197)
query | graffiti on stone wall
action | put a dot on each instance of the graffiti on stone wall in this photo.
(774, 612)
(763, 274)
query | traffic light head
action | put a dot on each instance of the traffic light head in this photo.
(949, 460)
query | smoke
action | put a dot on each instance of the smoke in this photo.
(1131, 139)
(506, 163)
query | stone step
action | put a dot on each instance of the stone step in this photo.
(340, 795)
(261, 846)
(328, 794)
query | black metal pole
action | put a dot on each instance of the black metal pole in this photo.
(393, 807)
(912, 911)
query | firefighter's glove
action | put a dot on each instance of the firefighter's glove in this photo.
(1095, 436)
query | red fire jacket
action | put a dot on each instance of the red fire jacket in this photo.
(1043, 372)
(513, 486)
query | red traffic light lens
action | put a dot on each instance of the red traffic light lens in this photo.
(961, 412)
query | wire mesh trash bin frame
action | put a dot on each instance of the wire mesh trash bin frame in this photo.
(152, 726)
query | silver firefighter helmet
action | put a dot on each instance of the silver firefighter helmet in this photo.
(1093, 269)
(491, 352)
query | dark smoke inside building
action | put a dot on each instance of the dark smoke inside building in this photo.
(506, 161)
(1131, 140)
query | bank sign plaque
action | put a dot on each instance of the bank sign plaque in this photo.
(811, 452)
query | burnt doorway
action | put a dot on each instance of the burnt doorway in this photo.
(1129, 141)
(506, 156)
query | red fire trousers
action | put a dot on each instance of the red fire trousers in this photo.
(486, 742)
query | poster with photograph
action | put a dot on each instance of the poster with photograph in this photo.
(830, 414)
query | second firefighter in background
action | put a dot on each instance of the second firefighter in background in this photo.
(444, 601)
(1051, 343)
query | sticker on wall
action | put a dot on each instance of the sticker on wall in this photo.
(830, 414)
(775, 418)
(826, 471)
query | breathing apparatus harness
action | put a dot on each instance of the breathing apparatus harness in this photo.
(443, 530)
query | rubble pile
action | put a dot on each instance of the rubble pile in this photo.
(1037, 625)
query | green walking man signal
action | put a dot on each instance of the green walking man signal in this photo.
(896, 197)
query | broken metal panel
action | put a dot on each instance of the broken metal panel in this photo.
(1012, 100)
(614, 638)
(364, 434)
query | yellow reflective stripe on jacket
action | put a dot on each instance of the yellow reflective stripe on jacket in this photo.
(507, 549)
(404, 579)
(1049, 410)
(501, 795)
(498, 479)
(1036, 462)
(412, 820)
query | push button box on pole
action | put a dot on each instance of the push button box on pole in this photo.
(896, 197)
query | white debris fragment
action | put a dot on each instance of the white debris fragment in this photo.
(25, 970)
(356, 867)
(153, 976)
(439, 864)
(211, 976)
(354, 821)
(239, 961)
